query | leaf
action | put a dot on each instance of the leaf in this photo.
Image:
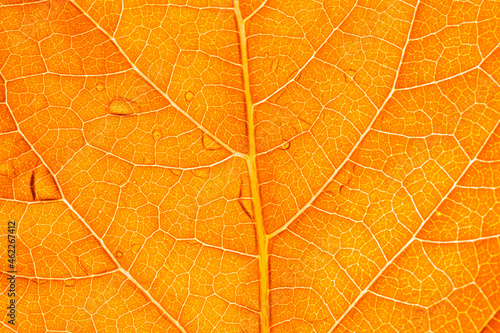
(256, 166)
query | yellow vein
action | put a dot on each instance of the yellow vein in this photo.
(101, 242)
(145, 77)
(262, 240)
(414, 237)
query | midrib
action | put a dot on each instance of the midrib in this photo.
(262, 239)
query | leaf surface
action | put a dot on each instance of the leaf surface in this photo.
(251, 166)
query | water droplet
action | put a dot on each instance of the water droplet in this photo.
(292, 75)
(176, 172)
(100, 87)
(297, 79)
(157, 134)
(349, 75)
(40, 281)
(285, 145)
(343, 190)
(136, 247)
(266, 54)
(304, 122)
(119, 254)
(210, 144)
(382, 118)
(134, 181)
(274, 65)
(69, 282)
(147, 159)
(122, 106)
(357, 170)
(189, 96)
(420, 312)
(439, 214)
(246, 206)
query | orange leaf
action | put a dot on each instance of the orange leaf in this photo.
(250, 165)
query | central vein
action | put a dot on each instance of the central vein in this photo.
(262, 239)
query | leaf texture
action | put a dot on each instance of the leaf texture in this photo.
(251, 166)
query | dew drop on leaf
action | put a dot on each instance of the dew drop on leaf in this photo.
(285, 145)
(189, 96)
(420, 312)
(246, 206)
(157, 134)
(259, 237)
(147, 160)
(100, 87)
(343, 190)
(122, 106)
(176, 172)
(357, 170)
(40, 281)
(297, 78)
(274, 65)
(350, 73)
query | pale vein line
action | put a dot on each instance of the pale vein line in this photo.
(459, 241)
(146, 78)
(63, 279)
(159, 166)
(478, 66)
(396, 300)
(262, 241)
(313, 56)
(489, 319)
(22, 4)
(424, 222)
(101, 242)
(255, 11)
(414, 237)
(368, 129)
(5, 325)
